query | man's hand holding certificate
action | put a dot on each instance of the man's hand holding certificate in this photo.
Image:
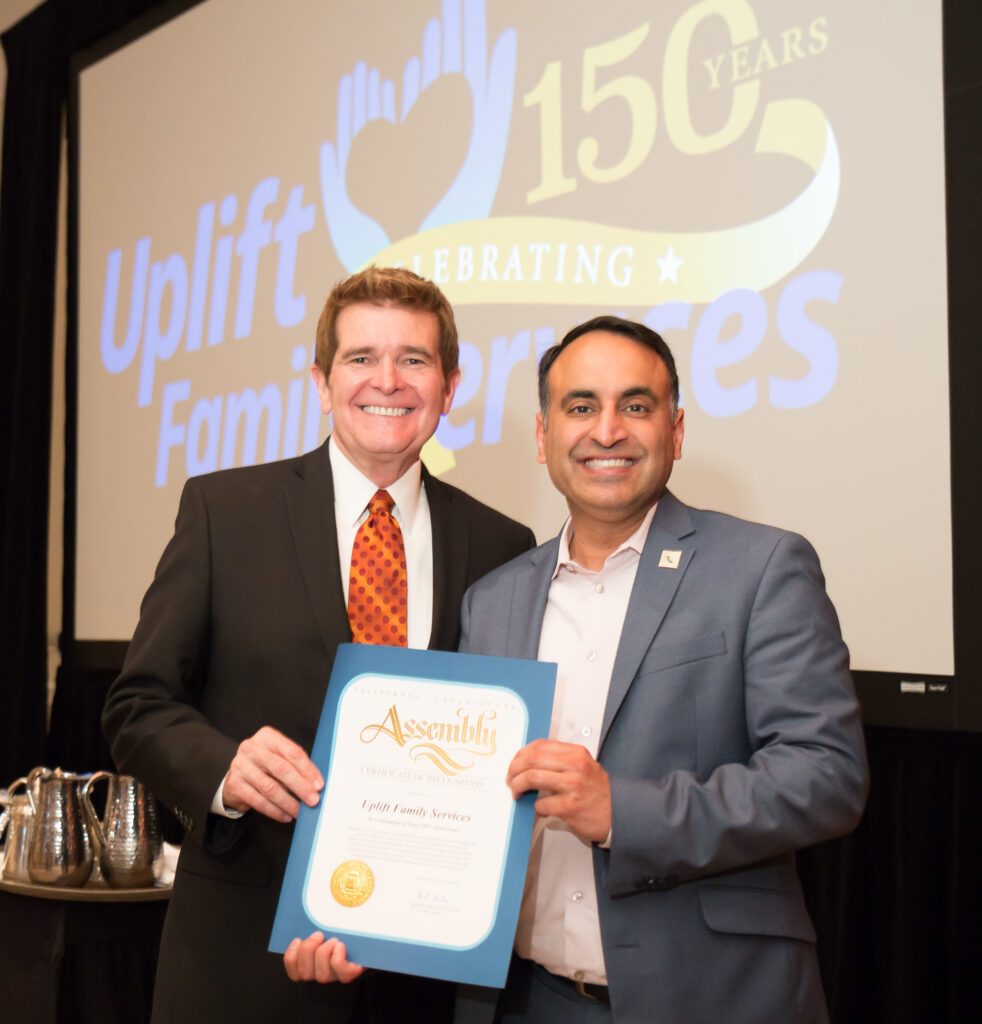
(320, 959)
(415, 857)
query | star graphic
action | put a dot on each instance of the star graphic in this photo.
(669, 266)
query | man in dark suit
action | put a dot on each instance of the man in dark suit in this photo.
(705, 725)
(221, 690)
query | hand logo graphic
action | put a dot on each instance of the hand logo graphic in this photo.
(458, 43)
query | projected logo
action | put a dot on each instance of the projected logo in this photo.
(478, 257)
(453, 45)
(530, 136)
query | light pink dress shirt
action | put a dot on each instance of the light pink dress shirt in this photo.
(558, 925)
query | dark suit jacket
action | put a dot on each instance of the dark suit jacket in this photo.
(732, 738)
(238, 630)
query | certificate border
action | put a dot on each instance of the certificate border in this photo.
(486, 962)
(320, 817)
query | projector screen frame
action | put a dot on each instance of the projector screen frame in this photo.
(908, 700)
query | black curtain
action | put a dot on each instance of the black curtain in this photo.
(898, 904)
(37, 51)
(28, 232)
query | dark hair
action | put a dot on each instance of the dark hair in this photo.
(386, 286)
(615, 325)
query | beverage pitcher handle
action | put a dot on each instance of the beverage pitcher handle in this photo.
(94, 823)
(34, 777)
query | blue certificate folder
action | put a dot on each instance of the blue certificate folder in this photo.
(415, 856)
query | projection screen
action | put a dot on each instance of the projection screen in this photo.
(761, 182)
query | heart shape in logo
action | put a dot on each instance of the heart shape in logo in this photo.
(397, 173)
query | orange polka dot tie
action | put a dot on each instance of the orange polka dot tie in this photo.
(377, 606)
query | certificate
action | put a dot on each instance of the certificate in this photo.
(415, 856)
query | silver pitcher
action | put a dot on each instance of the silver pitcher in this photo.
(128, 835)
(60, 850)
(18, 821)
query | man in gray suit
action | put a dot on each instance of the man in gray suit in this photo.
(705, 725)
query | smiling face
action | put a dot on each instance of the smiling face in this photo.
(386, 388)
(610, 438)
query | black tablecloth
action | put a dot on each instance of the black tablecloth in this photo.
(75, 963)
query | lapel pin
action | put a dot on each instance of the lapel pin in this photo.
(669, 559)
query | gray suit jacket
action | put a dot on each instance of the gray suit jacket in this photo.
(732, 737)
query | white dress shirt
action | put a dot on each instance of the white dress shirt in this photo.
(558, 926)
(352, 493)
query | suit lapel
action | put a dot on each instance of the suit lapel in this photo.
(529, 597)
(450, 544)
(309, 497)
(654, 589)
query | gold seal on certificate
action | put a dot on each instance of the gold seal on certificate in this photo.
(352, 883)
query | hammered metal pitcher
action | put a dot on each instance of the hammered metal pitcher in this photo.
(128, 835)
(60, 851)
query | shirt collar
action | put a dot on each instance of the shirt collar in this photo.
(633, 543)
(353, 490)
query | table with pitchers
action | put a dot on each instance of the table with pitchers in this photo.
(56, 838)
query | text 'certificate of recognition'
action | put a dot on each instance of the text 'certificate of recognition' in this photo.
(416, 854)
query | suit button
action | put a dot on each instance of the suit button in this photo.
(660, 884)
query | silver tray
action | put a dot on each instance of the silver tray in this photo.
(98, 893)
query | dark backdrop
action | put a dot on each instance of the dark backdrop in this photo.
(898, 904)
